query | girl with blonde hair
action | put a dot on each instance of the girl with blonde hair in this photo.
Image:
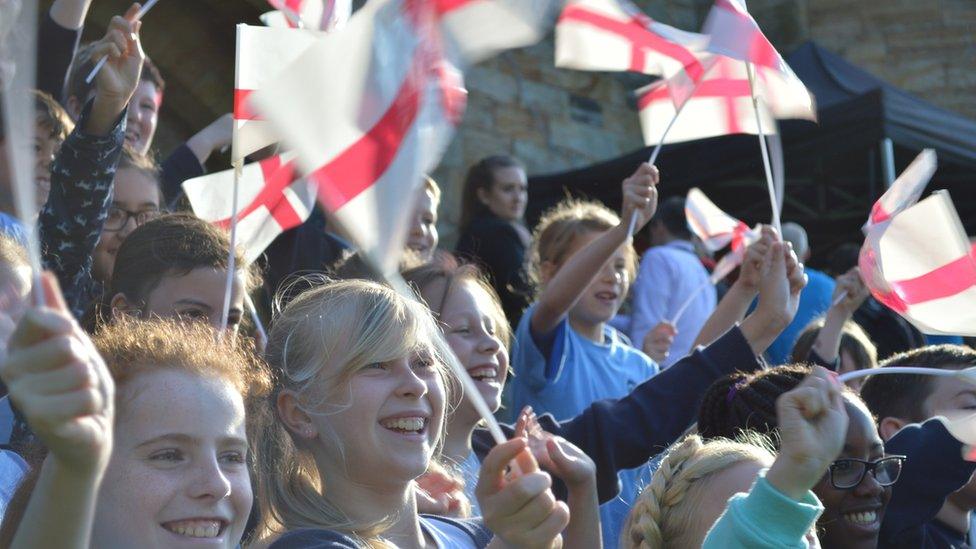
(698, 495)
(360, 401)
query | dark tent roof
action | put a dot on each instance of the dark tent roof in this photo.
(907, 120)
(833, 168)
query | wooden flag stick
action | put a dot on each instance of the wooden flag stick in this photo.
(765, 153)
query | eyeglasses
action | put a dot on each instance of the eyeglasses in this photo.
(119, 217)
(846, 474)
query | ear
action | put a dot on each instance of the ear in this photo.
(73, 106)
(888, 426)
(294, 418)
(483, 195)
(120, 306)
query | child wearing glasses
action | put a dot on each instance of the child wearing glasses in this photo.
(932, 506)
(697, 497)
(855, 488)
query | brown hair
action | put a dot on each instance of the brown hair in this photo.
(82, 64)
(49, 115)
(559, 228)
(173, 244)
(853, 339)
(481, 175)
(446, 267)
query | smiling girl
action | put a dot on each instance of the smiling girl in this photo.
(360, 406)
(154, 413)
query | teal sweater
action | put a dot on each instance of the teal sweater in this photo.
(764, 518)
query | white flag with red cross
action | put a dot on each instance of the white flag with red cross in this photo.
(721, 104)
(920, 264)
(715, 228)
(735, 34)
(262, 53)
(271, 196)
(393, 101)
(325, 15)
(905, 190)
(614, 35)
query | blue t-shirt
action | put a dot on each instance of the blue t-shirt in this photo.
(12, 227)
(577, 373)
(814, 301)
(446, 533)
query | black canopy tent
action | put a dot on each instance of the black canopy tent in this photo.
(834, 169)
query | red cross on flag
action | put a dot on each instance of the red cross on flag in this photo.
(721, 104)
(262, 53)
(613, 35)
(370, 109)
(920, 264)
(272, 200)
(904, 191)
(322, 15)
(715, 228)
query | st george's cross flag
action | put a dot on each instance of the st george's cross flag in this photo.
(905, 190)
(920, 264)
(614, 35)
(715, 228)
(734, 33)
(394, 98)
(262, 52)
(271, 196)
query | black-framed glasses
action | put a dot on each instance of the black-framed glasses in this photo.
(119, 217)
(847, 473)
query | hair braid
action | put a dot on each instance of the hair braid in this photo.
(747, 402)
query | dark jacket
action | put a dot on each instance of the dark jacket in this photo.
(934, 469)
(495, 245)
(624, 433)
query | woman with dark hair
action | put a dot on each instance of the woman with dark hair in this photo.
(493, 233)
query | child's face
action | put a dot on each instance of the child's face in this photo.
(508, 194)
(178, 473)
(142, 116)
(197, 296)
(601, 300)
(381, 427)
(852, 518)
(423, 237)
(134, 192)
(471, 328)
(45, 147)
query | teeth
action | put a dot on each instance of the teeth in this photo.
(483, 372)
(865, 517)
(414, 424)
(195, 528)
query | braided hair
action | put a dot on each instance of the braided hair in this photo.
(666, 512)
(742, 402)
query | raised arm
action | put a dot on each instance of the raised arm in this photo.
(564, 288)
(57, 379)
(850, 285)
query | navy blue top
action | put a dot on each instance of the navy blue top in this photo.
(495, 245)
(934, 469)
(624, 433)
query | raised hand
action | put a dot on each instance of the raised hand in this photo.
(520, 510)
(57, 379)
(813, 426)
(640, 195)
(658, 341)
(120, 75)
(852, 287)
(438, 493)
(750, 271)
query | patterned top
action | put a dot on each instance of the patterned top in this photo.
(71, 221)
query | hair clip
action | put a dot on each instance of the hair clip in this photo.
(733, 390)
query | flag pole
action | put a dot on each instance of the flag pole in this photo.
(258, 325)
(684, 306)
(231, 255)
(656, 152)
(765, 153)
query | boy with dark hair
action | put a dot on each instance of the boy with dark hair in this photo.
(931, 504)
(52, 126)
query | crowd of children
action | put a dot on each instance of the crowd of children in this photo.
(131, 418)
